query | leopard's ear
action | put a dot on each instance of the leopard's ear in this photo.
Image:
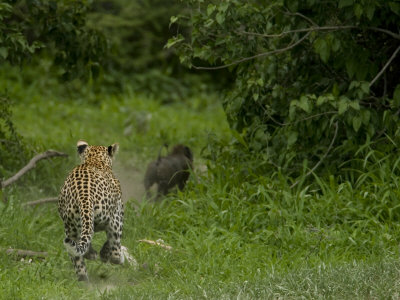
(113, 149)
(81, 145)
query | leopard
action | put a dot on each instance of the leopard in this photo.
(90, 201)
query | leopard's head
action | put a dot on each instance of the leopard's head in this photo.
(96, 155)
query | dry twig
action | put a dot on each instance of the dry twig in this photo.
(41, 201)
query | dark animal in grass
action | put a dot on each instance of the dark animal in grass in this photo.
(169, 171)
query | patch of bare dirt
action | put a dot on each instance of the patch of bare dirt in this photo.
(131, 179)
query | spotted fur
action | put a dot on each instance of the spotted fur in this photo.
(90, 201)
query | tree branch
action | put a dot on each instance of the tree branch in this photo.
(31, 165)
(323, 28)
(318, 163)
(304, 119)
(41, 201)
(310, 29)
(256, 56)
(315, 27)
(388, 32)
(287, 12)
(385, 67)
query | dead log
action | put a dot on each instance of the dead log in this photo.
(41, 201)
(31, 165)
(25, 253)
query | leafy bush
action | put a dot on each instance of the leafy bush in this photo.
(314, 84)
(12, 149)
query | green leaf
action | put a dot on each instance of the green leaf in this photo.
(366, 116)
(210, 9)
(220, 17)
(322, 48)
(3, 52)
(173, 20)
(335, 90)
(208, 23)
(351, 67)
(370, 10)
(356, 123)
(292, 138)
(223, 7)
(174, 40)
(304, 104)
(345, 3)
(321, 100)
(395, 7)
(335, 44)
(358, 10)
(365, 87)
(355, 105)
(343, 106)
(354, 84)
(239, 138)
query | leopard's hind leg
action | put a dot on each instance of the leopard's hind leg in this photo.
(111, 250)
(72, 237)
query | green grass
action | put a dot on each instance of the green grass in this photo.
(231, 238)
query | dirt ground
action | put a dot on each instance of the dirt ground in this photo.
(131, 179)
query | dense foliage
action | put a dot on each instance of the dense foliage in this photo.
(12, 148)
(315, 84)
(57, 27)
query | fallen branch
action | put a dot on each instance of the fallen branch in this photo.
(318, 163)
(31, 165)
(41, 201)
(159, 243)
(25, 253)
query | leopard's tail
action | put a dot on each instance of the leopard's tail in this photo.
(80, 247)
